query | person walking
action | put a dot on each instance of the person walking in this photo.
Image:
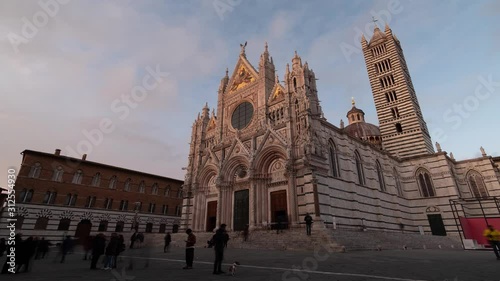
(121, 248)
(66, 247)
(219, 240)
(308, 219)
(191, 240)
(168, 239)
(493, 237)
(111, 251)
(133, 238)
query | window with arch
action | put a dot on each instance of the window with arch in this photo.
(399, 188)
(41, 223)
(154, 189)
(108, 203)
(90, 202)
(142, 187)
(163, 228)
(334, 161)
(179, 193)
(35, 170)
(112, 182)
(77, 177)
(70, 199)
(96, 180)
(295, 83)
(380, 175)
(167, 191)
(119, 226)
(149, 227)
(50, 197)
(126, 187)
(359, 168)
(425, 183)
(58, 174)
(476, 184)
(103, 226)
(26, 195)
(64, 224)
(124, 205)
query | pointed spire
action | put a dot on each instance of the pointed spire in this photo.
(287, 69)
(341, 124)
(451, 156)
(277, 78)
(227, 72)
(266, 48)
(483, 152)
(242, 52)
(363, 39)
(387, 28)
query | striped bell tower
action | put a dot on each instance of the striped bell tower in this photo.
(402, 127)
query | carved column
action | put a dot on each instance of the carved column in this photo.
(252, 203)
(219, 206)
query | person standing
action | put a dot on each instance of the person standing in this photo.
(493, 237)
(111, 251)
(98, 246)
(132, 239)
(168, 239)
(308, 219)
(219, 240)
(191, 240)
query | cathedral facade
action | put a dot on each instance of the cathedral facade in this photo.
(267, 155)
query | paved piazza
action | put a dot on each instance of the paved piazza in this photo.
(411, 265)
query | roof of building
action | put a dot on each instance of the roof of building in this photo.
(354, 109)
(377, 35)
(77, 160)
(362, 129)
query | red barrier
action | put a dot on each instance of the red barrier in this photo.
(474, 227)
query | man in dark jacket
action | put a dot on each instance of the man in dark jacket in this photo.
(98, 245)
(219, 240)
(308, 219)
(191, 240)
(168, 239)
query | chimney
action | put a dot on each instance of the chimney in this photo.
(58, 152)
(84, 157)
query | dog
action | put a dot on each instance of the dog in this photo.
(232, 268)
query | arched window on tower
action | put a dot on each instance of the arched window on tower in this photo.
(359, 169)
(399, 128)
(142, 187)
(334, 161)
(154, 189)
(126, 187)
(425, 183)
(295, 83)
(380, 176)
(58, 173)
(96, 181)
(476, 184)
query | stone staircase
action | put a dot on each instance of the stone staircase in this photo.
(354, 240)
(289, 239)
(337, 240)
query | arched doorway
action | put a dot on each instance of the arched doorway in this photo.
(175, 228)
(83, 230)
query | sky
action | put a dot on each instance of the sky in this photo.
(69, 67)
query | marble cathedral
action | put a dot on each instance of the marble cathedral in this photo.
(267, 154)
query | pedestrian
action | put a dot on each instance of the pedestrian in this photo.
(98, 246)
(168, 239)
(226, 238)
(219, 240)
(121, 248)
(66, 247)
(308, 219)
(245, 233)
(43, 247)
(191, 240)
(111, 251)
(493, 237)
(132, 239)
(87, 247)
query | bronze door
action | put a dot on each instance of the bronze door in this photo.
(241, 210)
(279, 214)
(211, 216)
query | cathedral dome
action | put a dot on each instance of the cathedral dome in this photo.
(358, 128)
(362, 130)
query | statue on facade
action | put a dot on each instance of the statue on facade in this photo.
(438, 147)
(482, 151)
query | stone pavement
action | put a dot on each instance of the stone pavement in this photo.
(153, 264)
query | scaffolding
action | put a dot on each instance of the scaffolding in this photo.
(484, 207)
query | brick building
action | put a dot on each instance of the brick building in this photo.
(58, 195)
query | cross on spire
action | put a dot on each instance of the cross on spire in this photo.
(374, 20)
